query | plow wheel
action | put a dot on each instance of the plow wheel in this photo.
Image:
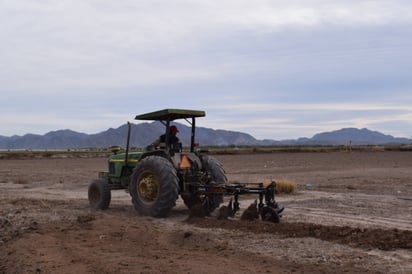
(154, 186)
(269, 214)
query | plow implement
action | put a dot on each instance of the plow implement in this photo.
(265, 206)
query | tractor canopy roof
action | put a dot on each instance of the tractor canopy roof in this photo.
(171, 114)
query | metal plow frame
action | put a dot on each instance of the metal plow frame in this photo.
(267, 206)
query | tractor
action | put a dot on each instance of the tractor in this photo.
(157, 176)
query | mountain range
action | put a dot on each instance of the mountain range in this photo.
(145, 133)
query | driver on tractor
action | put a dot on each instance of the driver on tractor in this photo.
(173, 140)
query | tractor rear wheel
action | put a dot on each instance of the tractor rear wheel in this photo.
(99, 194)
(154, 186)
(215, 168)
(217, 175)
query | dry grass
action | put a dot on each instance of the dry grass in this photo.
(285, 186)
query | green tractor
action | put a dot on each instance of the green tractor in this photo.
(156, 177)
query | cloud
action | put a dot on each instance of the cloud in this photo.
(73, 44)
(302, 65)
(306, 119)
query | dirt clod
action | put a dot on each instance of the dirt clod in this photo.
(197, 211)
(223, 213)
(187, 234)
(85, 218)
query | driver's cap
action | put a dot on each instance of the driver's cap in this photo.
(173, 129)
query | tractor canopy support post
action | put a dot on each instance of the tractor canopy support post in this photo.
(192, 138)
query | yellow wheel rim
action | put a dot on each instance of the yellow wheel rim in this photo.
(148, 188)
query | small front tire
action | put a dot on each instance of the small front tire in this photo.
(99, 195)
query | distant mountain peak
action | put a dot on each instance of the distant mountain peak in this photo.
(362, 136)
(145, 133)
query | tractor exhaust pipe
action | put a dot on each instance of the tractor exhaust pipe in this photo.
(126, 157)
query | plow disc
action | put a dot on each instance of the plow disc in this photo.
(269, 214)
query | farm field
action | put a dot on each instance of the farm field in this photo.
(351, 213)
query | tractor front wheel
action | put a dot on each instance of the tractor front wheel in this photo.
(99, 194)
(154, 186)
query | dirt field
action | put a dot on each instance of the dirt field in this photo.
(352, 213)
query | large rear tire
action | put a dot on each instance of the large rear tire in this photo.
(215, 168)
(217, 176)
(99, 195)
(154, 186)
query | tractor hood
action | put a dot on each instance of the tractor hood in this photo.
(133, 158)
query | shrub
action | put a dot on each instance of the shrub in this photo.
(285, 186)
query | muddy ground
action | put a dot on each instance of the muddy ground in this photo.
(352, 213)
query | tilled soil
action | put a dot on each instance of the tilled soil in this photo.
(352, 213)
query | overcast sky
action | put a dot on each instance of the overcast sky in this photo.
(273, 69)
